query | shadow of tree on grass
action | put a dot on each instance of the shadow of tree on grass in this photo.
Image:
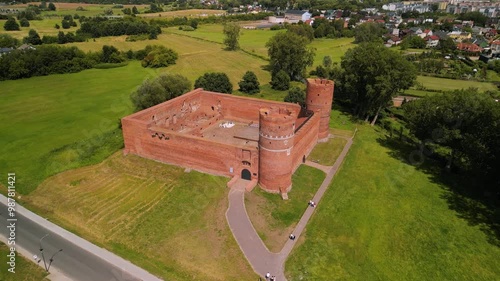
(462, 192)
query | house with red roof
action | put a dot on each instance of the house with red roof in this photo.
(469, 48)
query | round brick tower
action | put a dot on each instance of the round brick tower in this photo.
(276, 137)
(319, 99)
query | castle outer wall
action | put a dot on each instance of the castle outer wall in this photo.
(185, 131)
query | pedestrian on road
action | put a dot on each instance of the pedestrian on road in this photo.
(292, 237)
(268, 275)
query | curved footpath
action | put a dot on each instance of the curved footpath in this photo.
(257, 254)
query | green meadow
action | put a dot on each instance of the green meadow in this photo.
(436, 83)
(41, 116)
(273, 218)
(385, 219)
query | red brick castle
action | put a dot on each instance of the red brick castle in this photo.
(233, 136)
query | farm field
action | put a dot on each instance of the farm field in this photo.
(195, 57)
(254, 41)
(335, 48)
(384, 219)
(251, 40)
(273, 218)
(89, 9)
(192, 13)
(25, 269)
(165, 220)
(444, 84)
(43, 27)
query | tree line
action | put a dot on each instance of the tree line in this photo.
(210, 19)
(461, 128)
(49, 59)
(99, 27)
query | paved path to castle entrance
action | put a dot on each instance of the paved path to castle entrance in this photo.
(257, 254)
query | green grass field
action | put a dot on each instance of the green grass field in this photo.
(335, 48)
(195, 57)
(436, 83)
(273, 218)
(341, 122)
(40, 115)
(383, 219)
(43, 27)
(327, 153)
(254, 41)
(167, 221)
(25, 270)
(419, 93)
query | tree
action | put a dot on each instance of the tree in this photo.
(33, 38)
(415, 42)
(464, 122)
(371, 75)
(289, 52)
(7, 41)
(478, 18)
(159, 56)
(24, 22)
(194, 23)
(280, 81)
(304, 30)
(110, 54)
(61, 38)
(127, 11)
(108, 11)
(327, 61)
(296, 95)
(52, 7)
(11, 24)
(134, 10)
(215, 82)
(160, 89)
(65, 24)
(447, 46)
(368, 32)
(57, 26)
(232, 35)
(249, 83)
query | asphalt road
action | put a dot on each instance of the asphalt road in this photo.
(74, 262)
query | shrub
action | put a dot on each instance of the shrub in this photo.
(280, 81)
(249, 83)
(160, 89)
(11, 24)
(159, 56)
(215, 82)
(295, 95)
(186, 28)
(24, 22)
